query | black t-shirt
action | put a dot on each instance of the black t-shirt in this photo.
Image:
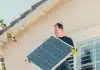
(65, 64)
(67, 40)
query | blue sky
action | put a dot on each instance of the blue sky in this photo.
(11, 9)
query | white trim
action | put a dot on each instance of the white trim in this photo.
(34, 65)
(30, 52)
(94, 53)
(74, 62)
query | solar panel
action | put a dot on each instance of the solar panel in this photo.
(50, 54)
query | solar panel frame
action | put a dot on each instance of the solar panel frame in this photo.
(55, 66)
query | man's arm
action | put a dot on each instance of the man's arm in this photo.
(70, 41)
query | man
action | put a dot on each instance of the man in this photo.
(59, 32)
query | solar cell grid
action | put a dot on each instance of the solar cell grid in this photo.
(50, 53)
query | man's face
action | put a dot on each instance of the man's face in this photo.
(57, 30)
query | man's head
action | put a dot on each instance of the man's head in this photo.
(58, 29)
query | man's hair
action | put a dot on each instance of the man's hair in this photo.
(60, 26)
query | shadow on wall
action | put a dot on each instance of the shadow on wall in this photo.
(22, 16)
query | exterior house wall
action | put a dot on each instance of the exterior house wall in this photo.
(79, 17)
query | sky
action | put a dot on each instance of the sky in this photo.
(11, 9)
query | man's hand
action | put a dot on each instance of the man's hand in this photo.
(73, 51)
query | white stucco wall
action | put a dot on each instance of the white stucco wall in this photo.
(79, 17)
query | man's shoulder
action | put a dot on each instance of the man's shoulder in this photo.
(67, 37)
(69, 40)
